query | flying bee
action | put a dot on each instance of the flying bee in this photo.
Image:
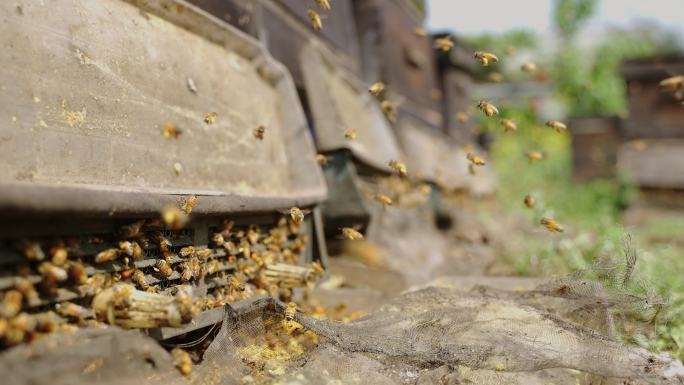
(71, 311)
(170, 130)
(107, 255)
(495, 77)
(377, 88)
(399, 167)
(528, 67)
(419, 31)
(164, 268)
(139, 279)
(210, 117)
(77, 273)
(509, 125)
(472, 170)
(132, 230)
(315, 18)
(675, 85)
(259, 132)
(529, 201)
(324, 4)
(351, 234)
(177, 168)
(534, 156)
(296, 215)
(444, 44)
(556, 125)
(32, 251)
(189, 203)
(59, 255)
(485, 58)
(182, 361)
(475, 159)
(487, 108)
(11, 304)
(218, 240)
(383, 199)
(350, 133)
(389, 110)
(187, 251)
(321, 159)
(27, 290)
(462, 117)
(290, 311)
(551, 225)
(173, 217)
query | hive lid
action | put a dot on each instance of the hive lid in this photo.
(87, 85)
(338, 101)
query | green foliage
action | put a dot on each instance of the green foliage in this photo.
(569, 15)
(497, 44)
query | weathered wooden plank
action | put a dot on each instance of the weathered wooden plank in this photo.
(653, 163)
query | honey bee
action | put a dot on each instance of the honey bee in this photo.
(210, 117)
(218, 239)
(52, 275)
(187, 251)
(675, 85)
(487, 108)
(528, 67)
(472, 170)
(164, 268)
(77, 273)
(495, 77)
(444, 44)
(462, 117)
(173, 217)
(534, 156)
(317, 268)
(189, 203)
(25, 287)
(177, 168)
(195, 266)
(47, 322)
(11, 304)
(551, 225)
(383, 199)
(351, 234)
(377, 88)
(107, 255)
(321, 159)
(509, 125)
(315, 18)
(132, 230)
(170, 130)
(485, 58)
(259, 132)
(139, 279)
(59, 255)
(324, 4)
(296, 215)
(203, 253)
(32, 251)
(388, 109)
(420, 31)
(213, 266)
(529, 201)
(235, 284)
(71, 311)
(290, 311)
(186, 272)
(350, 133)
(399, 167)
(556, 125)
(182, 361)
(475, 159)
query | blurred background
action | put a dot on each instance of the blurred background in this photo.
(598, 65)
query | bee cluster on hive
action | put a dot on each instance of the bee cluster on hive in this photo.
(144, 275)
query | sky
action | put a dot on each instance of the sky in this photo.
(474, 17)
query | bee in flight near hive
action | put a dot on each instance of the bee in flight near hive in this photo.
(259, 132)
(529, 201)
(534, 156)
(551, 225)
(389, 110)
(383, 199)
(444, 44)
(509, 125)
(321, 159)
(487, 108)
(297, 215)
(496, 77)
(315, 18)
(324, 4)
(420, 31)
(173, 217)
(350, 133)
(399, 167)
(556, 125)
(170, 130)
(351, 234)
(462, 117)
(674, 85)
(177, 168)
(485, 58)
(290, 311)
(475, 159)
(210, 117)
(377, 88)
(528, 67)
(189, 203)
